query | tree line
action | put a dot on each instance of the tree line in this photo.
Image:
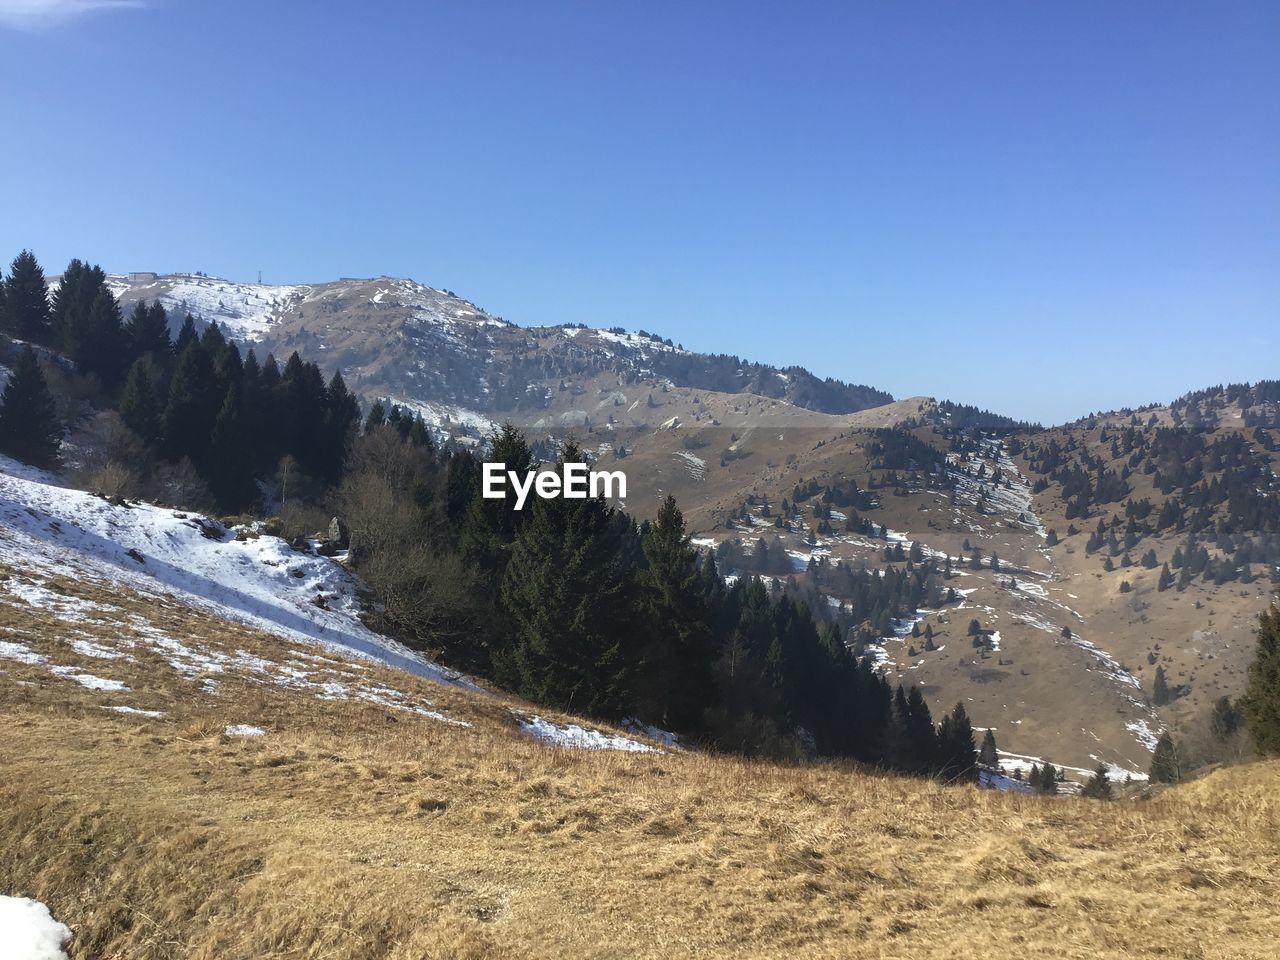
(574, 604)
(195, 410)
(570, 603)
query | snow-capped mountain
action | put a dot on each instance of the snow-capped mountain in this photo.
(442, 355)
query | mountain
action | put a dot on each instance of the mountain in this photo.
(433, 352)
(1063, 664)
(1071, 633)
(212, 750)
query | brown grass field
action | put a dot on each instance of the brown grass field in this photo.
(354, 830)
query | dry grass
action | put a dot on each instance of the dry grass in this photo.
(356, 831)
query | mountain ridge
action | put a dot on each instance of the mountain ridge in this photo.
(492, 365)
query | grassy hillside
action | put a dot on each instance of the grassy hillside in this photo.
(1074, 699)
(354, 828)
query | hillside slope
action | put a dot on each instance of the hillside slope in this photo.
(1071, 634)
(237, 574)
(1063, 666)
(203, 761)
(281, 819)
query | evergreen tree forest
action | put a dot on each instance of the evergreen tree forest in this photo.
(200, 420)
(573, 604)
(1210, 489)
(570, 603)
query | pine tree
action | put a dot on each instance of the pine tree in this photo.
(1225, 720)
(29, 426)
(1048, 779)
(148, 330)
(213, 340)
(675, 682)
(1160, 689)
(101, 347)
(24, 312)
(230, 472)
(1164, 761)
(87, 323)
(1098, 787)
(1261, 702)
(187, 335)
(377, 417)
(302, 402)
(228, 368)
(568, 594)
(255, 402)
(69, 307)
(988, 756)
(898, 744)
(193, 406)
(342, 420)
(491, 526)
(419, 435)
(139, 408)
(958, 759)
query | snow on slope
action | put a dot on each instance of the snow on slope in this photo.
(260, 582)
(432, 306)
(247, 311)
(244, 310)
(29, 932)
(49, 530)
(572, 735)
(1011, 499)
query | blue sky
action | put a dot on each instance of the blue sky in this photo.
(1042, 208)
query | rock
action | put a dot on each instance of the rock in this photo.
(211, 529)
(339, 534)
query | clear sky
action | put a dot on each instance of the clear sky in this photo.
(1044, 208)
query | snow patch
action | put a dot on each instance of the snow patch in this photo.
(21, 653)
(134, 711)
(259, 581)
(576, 737)
(665, 737)
(87, 649)
(88, 680)
(697, 466)
(1142, 731)
(29, 932)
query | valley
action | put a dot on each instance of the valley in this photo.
(1067, 669)
(204, 720)
(687, 481)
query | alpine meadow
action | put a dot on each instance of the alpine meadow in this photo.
(803, 570)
